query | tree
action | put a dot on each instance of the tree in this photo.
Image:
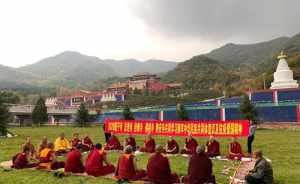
(182, 113)
(247, 110)
(127, 114)
(4, 115)
(82, 115)
(39, 113)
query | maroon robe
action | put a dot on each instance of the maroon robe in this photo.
(131, 141)
(199, 170)
(158, 170)
(171, 145)
(47, 162)
(87, 143)
(149, 146)
(94, 164)
(73, 163)
(191, 146)
(236, 149)
(113, 144)
(75, 142)
(20, 161)
(125, 169)
(213, 148)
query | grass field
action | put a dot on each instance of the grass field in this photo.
(281, 146)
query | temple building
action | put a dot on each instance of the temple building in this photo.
(283, 77)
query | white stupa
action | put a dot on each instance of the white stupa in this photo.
(283, 77)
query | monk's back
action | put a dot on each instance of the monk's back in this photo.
(94, 161)
(73, 162)
(125, 168)
(158, 169)
(200, 169)
(20, 161)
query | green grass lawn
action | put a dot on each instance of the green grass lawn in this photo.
(281, 146)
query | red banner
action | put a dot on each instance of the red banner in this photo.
(179, 128)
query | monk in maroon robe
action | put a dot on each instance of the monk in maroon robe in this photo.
(130, 141)
(126, 168)
(48, 159)
(75, 140)
(21, 160)
(172, 146)
(212, 147)
(200, 168)
(190, 145)
(149, 145)
(94, 164)
(235, 150)
(87, 143)
(158, 168)
(73, 163)
(113, 143)
(31, 147)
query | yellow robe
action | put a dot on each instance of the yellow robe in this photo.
(61, 144)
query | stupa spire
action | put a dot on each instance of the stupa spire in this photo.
(282, 55)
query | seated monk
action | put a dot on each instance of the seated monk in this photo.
(212, 147)
(130, 141)
(172, 146)
(22, 160)
(113, 143)
(75, 140)
(43, 144)
(200, 168)
(94, 164)
(235, 150)
(87, 143)
(158, 168)
(73, 162)
(126, 168)
(190, 145)
(149, 145)
(28, 144)
(48, 159)
(61, 145)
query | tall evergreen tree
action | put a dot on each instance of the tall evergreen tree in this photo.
(39, 113)
(4, 115)
(247, 110)
(127, 114)
(82, 115)
(181, 113)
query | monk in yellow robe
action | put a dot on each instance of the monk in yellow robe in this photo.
(61, 145)
(48, 159)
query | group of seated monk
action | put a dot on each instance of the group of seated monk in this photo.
(97, 164)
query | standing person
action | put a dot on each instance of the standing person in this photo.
(252, 130)
(262, 171)
(107, 134)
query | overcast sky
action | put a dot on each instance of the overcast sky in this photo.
(143, 29)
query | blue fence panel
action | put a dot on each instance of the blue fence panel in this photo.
(262, 97)
(151, 115)
(204, 114)
(231, 101)
(232, 114)
(288, 95)
(277, 114)
(105, 116)
(207, 103)
(170, 115)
